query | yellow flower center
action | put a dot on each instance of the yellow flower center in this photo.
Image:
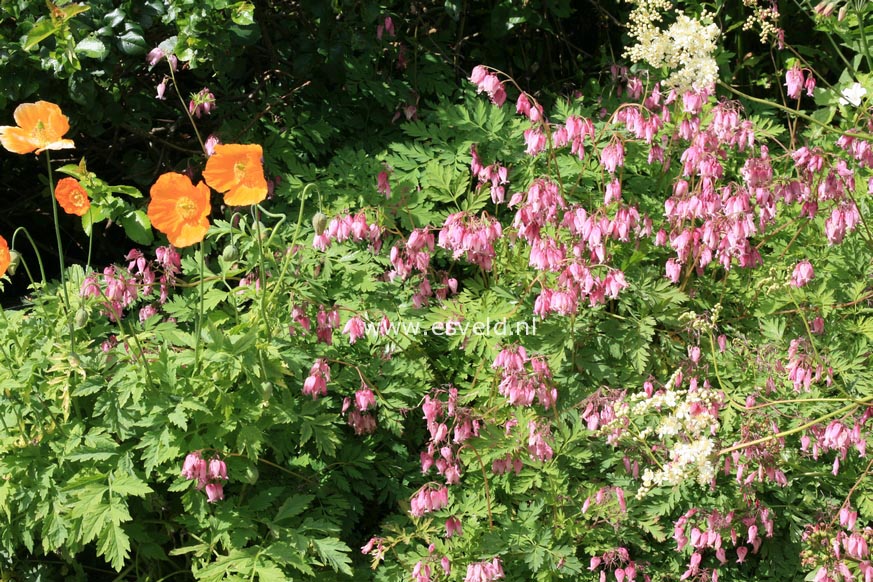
(186, 208)
(39, 132)
(239, 171)
(77, 199)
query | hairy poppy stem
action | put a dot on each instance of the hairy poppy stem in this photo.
(35, 250)
(199, 326)
(90, 241)
(67, 305)
(261, 275)
(290, 251)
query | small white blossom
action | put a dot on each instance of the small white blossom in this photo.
(853, 95)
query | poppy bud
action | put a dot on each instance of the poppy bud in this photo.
(319, 223)
(230, 254)
(81, 319)
(14, 261)
(266, 392)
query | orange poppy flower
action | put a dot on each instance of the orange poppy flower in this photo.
(179, 209)
(237, 171)
(5, 256)
(72, 197)
(41, 127)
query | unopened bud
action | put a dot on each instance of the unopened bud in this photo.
(230, 254)
(319, 223)
(825, 8)
(81, 318)
(841, 15)
(14, 261)
(266, 393)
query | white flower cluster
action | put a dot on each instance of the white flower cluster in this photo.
(686, 47)
(686, 424)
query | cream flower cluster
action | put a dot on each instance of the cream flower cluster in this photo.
(764, 18)
(684, 424)
(686, 46)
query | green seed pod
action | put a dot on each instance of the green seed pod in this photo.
(319, 223)
(14, 261)
(82, 317)
(266, 394)
(230, 254)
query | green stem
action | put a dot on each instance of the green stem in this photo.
(35, 249)
(145, 363)
(281, 220)
(262, 292)
(287, 259)
(60, 253)
(864, 48)
(198, 328)
(794, 430)
(90, 241)
(853, 134)
(185, 107)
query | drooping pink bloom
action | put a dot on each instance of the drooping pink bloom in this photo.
(214, 492)
(794, 81)
(484, 571)
(453, 527)
(428, 499)
(362, 422)
(210, 143)
(194, 467)
(154, 56)
(161, 89)
(488, 82)
(201, 103)
(315, 384)
(809, 85)
(382, 184)
(217, 469)
(385, 27)
(803, 274)
(355, 328)
(612, 156)
(365, 399)
(147, 311)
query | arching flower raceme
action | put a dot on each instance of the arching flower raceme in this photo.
(5, 256)
(180, 209)
(72, 196)
(237, 171)
(41, 126)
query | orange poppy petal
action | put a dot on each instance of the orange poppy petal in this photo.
(72, 197)
(61, 144)
(5, 256)
(190, 234)
(219, 174)
(238, 171)
(28, 115)
(179, 209)
(41, 126)
(246, 194)
(16, 140)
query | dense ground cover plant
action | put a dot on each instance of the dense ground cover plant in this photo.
(619, 334)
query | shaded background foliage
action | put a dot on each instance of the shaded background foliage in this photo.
(313, 73)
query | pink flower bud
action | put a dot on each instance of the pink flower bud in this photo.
(214, 492)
